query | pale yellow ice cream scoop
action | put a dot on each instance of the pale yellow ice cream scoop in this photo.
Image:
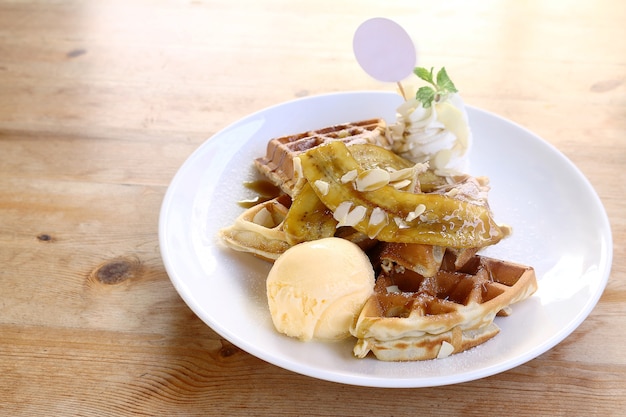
(316, 289)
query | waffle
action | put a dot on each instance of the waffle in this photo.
(426, 260)
(277, 164)
(411, 317)
(258, 230)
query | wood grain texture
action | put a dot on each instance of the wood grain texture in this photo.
(101, 103)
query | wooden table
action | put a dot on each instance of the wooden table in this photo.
(102, 102)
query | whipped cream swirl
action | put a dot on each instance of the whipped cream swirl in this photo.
(439, 135)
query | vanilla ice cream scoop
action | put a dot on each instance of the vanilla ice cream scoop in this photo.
(316, 289)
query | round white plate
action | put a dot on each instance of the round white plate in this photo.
(560, 228)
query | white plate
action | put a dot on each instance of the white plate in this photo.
(560, 228)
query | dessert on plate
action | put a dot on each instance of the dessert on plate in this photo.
(377, 231)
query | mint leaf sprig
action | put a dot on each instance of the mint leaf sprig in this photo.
(441, 87)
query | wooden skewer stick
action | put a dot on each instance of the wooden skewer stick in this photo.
(401, 89)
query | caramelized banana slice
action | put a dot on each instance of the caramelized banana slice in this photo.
(308, 218)
(372, 156)
(364, 200)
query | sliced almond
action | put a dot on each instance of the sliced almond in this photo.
(401, 174)
(341, 212)
(355, 216)
(393, 289)
(401, 184)
(416, 213)
(322, 186)
(401, 223)
(349, 176)
(264, 218)
(445, 350)
(297, 168)
(378, 220)
(372, 179)
(378, 216)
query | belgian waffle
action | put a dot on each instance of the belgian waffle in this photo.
(277, 164)
(426, 260)
(411, 317)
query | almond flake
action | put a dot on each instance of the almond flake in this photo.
(401, 174)
(263, 218)
(297, 167)
(372, 179)
(401, 223)
(393, 289)
(322, 186)
(355, 216)
(378, 216)
(401, 184)
(349, 176)
(416, 213)
(378, 220)
(341, 212)
(445, 350)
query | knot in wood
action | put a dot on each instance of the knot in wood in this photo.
(227, 350)
(114, 272)
(44, 237)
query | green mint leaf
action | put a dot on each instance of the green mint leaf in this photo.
(425, 95)
(444, 83)
(425, 74)
(441, 87)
